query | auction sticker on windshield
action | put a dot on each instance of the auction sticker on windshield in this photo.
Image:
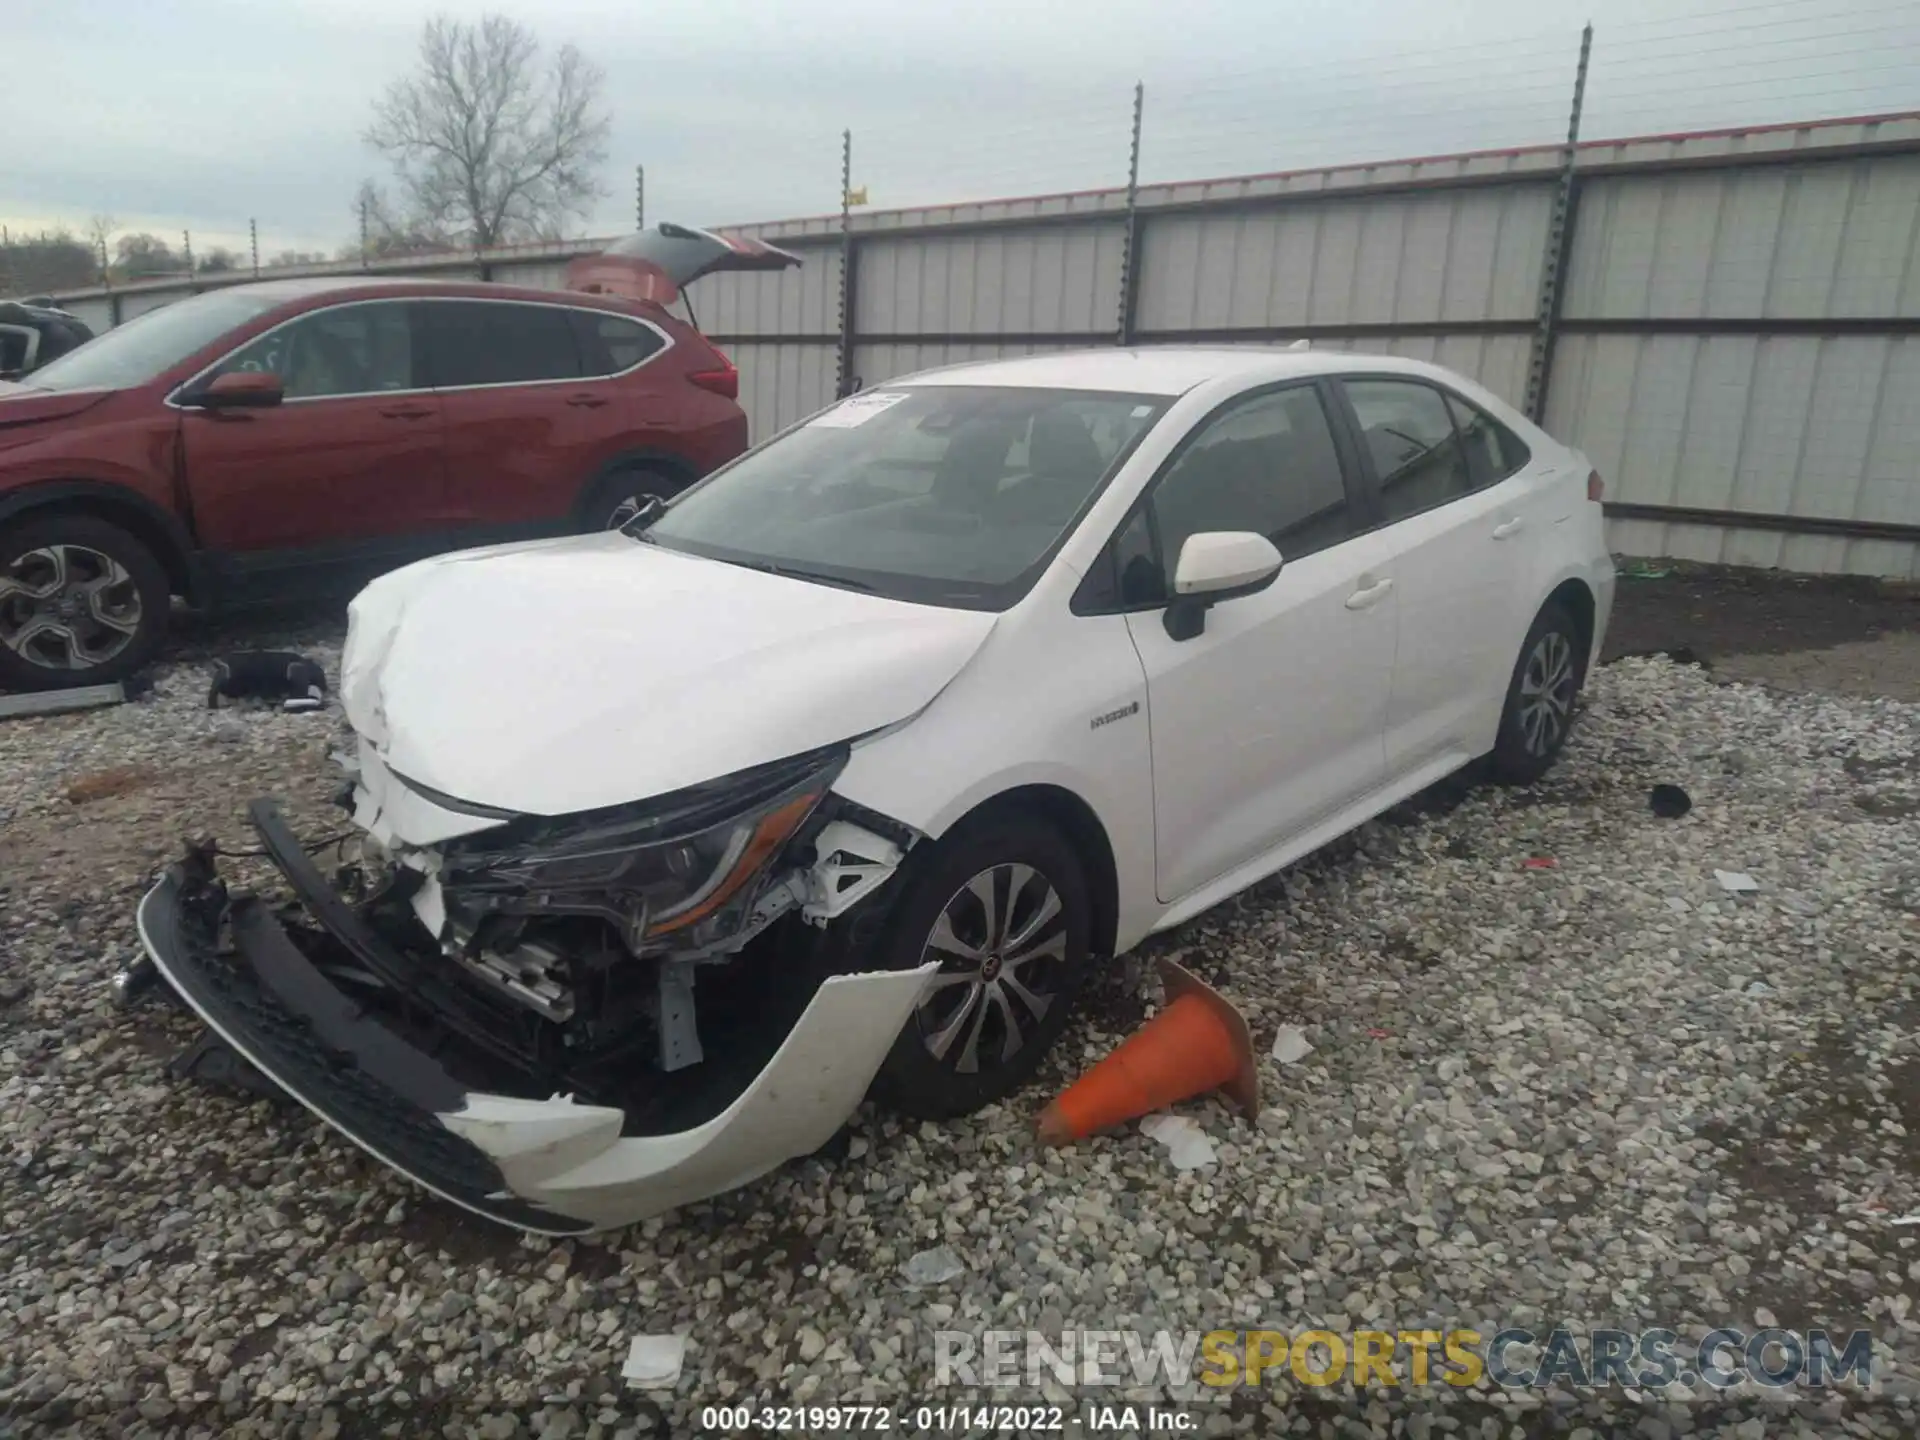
(858, 409)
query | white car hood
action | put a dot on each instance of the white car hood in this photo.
(557, 676)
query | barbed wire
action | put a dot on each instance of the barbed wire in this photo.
(1728, 67)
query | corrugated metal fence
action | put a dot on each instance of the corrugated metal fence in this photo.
(1735, 338)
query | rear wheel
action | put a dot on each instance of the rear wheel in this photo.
(1538, 714)
(82, 602)
(620, 496)
(1003, 907)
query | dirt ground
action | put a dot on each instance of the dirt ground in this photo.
(1795, 632)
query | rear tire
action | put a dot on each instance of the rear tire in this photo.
(617, 497)
(82, 602)
(1541, 697)
(1003, 904)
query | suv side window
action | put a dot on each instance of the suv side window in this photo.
(361, 349)
(1417, 457)
(610, 344)
(1493, 451)
(494, 342)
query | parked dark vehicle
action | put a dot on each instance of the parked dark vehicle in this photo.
(285, 436)
(34, 333)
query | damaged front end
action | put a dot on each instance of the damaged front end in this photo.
(566, 1023)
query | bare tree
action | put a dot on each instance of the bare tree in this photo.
(388, 233)
(100, 229)
(488, 144)
(142, 256)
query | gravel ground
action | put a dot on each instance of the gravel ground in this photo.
(1600, 1091)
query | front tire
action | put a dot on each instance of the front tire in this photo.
(1539, 709)
(1003, 905)
(82, 602)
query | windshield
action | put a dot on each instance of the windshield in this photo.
(150, 344)
(947, 495)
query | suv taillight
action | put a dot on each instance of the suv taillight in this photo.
(1596, 487)
(723, 380)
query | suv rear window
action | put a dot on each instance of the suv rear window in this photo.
(496, 342)
(610, 344)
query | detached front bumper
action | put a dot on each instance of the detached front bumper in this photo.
(553, 1166)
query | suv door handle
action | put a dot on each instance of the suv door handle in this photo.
(590, 402)
(1371, 596)
(407, 412)
(1508, 527)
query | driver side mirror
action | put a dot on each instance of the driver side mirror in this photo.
(239, 390)
(1217, 565)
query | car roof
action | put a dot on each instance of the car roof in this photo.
(1159, 369)
(281, 291)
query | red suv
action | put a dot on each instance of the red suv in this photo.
(256, 440)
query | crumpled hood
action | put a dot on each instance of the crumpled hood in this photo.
(556, 676)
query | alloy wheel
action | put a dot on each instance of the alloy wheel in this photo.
(67, 607)
(1001, 941)
(629, 505)
(623, 510)
(1546, 693)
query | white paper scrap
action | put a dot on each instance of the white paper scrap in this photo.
(1188, 1146)
(653, 1361)
(1291, 1045)
(857, 410)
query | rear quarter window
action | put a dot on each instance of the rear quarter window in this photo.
(1493, 451)
(610, 344)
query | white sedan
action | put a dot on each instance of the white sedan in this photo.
(843, 771)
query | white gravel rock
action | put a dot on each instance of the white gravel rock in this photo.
(1536, 1094)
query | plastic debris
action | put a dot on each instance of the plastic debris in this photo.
(1291, 1045)
(1642, 570)
(1378, 1034)
(653, 1361)
(58, 702)
(1188, 1146)
(933, 1267)
(1734, 881)
(1539, 862)
(1759, 989)
(1669, 802)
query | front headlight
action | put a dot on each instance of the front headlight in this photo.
(653, 868)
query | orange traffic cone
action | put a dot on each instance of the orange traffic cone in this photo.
(1199, 1042)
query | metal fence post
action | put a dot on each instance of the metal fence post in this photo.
(639, 197)
(186, 250)
(253, 244)
(1553, 264)
(1130, 241)
(844, 380)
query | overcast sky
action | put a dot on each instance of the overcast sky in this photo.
(199, 114)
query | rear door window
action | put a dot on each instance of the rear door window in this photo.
(1407, 431)
(492, 342)
(611, 344)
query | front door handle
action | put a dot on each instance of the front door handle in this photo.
(1373, 594)
(587, 402)
(407, 412)
(1508, 527)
